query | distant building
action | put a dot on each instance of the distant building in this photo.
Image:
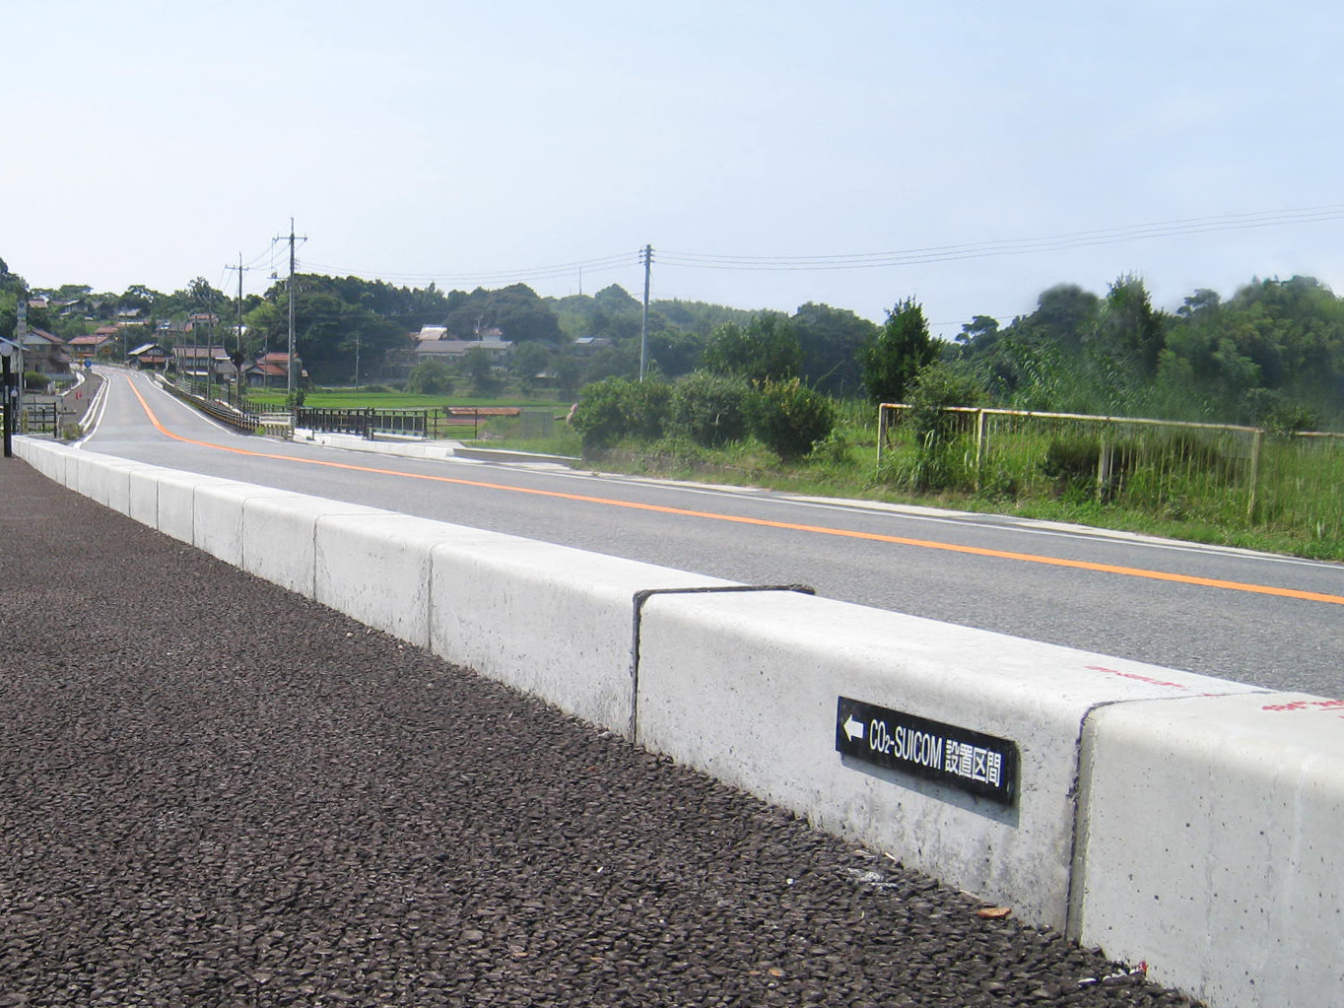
(452, 349)
(45, 353)
(100, 343)
(202, 362)
(587, 344)
(271, 370)
(149, 357)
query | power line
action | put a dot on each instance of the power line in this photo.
(595, 265)
(858, 260)
(1018, 246)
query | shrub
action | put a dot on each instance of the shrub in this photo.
(430, 377)
(937, 464)
(646, 405)
(708, 409)
(789, 418)
(600, 415)
(616, 408)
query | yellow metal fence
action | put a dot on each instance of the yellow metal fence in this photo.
(1219, 473)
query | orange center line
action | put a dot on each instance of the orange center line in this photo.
(1086, 565)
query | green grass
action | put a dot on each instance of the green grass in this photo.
(849, 471)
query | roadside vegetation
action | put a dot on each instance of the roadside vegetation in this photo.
(791, 400)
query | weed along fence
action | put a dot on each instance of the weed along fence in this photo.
(1222, 474)
(417, 422)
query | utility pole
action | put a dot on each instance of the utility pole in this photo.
(289, 365)
(647, 256)
(238, 350)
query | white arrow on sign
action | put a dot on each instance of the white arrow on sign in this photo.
(853, 729)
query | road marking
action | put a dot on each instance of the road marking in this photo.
(1086, 565)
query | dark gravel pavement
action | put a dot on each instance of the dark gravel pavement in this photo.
(214, 792)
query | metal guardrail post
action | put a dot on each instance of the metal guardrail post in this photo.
(980, 430)
(1256, 439)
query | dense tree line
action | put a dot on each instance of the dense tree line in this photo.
(1271, 354)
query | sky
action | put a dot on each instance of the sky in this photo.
(968, 155)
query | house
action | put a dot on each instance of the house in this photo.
(271, 370)
(101, 343)
(201, 362)
(587, 344)
(452, 349)
(149, 357)
(45, 353)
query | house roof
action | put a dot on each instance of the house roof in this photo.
(193, 352)
(96, 340)
(459, 348)
(35, 337)
(145, 348)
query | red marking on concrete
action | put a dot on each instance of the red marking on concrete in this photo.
(1137, 677)
(1305, 705)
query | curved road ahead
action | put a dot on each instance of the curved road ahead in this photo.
(1262, 619)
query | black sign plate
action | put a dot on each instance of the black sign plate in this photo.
(957, 757)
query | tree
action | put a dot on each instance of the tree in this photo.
(766, 348)
(529, 360)
(707, 408)
(201, 297)
(830, 340)
(430, 377)
(477, 365)
(516, 311)
(1129, 327)
(892, 358)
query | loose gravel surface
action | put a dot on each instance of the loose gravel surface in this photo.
(214, 792)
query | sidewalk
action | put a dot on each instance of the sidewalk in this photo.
(215, 792)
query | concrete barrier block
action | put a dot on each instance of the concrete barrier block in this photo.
(98, 474)
(546, 619)
(745, 687)
(279, 537)
(46, 457)
(108, 479)
(218, 521)
(81, 473)
(142, 496)
(376, 568)
(1212, 845)
(176, 506)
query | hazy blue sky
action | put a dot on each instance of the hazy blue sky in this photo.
(416, 140)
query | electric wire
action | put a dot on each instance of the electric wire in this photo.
(1018, 246)
(858, 260)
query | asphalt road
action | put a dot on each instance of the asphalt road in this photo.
(1256, 618)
